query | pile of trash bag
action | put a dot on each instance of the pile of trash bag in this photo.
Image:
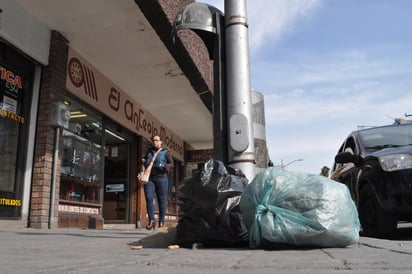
(209, 207)
(284, 207)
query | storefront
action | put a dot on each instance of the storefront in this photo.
(73, 127)
(16, 80)
(106, 135)
(95, 173)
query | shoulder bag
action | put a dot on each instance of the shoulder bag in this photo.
(144, 176)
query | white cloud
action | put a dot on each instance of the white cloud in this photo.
(313, 128)
(270, 21)
(311, 107)
(348, 66)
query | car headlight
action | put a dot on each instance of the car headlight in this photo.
(395, 162)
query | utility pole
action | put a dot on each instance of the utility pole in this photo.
(241, 150)
(226, 37)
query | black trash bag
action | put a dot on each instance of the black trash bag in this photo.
(209, 208)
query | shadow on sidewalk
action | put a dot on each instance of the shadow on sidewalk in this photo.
(160, 238)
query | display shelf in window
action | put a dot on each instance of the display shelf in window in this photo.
(81, 158)
(80, 169)
(72, 189)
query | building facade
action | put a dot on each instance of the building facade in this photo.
(84, 86)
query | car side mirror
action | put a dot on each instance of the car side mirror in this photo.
(347, 157)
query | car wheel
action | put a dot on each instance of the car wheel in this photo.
(374, 221)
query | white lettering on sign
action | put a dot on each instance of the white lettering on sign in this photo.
(74, 209)
(115, 188)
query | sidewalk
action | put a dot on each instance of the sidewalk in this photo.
(109, 251)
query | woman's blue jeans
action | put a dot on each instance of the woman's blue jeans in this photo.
(157, 186)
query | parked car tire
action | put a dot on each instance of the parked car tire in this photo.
(374, 221)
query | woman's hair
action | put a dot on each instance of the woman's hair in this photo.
(160, 138)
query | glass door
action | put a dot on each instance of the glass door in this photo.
(116, 176)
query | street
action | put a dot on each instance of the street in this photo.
(109, 251)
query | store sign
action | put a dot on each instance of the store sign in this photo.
(9, 202)
(11, 95)
(94, 88)
(115, 188)
(75, 209)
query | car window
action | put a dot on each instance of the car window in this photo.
(350, 146)
(382, 137)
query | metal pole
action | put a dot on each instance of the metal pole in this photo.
(219, 95)
(241, 149)
(53, 182)
(291, 162)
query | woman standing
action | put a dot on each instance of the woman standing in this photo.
(158, 183)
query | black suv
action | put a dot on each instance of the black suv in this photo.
(376, 165)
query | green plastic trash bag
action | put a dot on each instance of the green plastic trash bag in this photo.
(283, 207)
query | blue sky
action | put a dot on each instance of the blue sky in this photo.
(326, 67)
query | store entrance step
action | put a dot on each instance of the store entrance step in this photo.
(119, 226)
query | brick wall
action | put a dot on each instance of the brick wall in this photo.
(52, 89)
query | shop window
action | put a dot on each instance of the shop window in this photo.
(81, 161)
(15, 102)
(8, 148)
(80, 169)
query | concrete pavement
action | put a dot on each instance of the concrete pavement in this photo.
(109, 251)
